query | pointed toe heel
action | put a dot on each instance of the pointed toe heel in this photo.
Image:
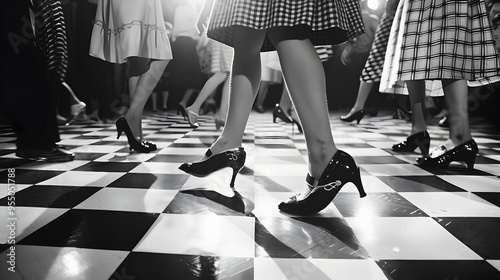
(134, 144)
(278, 113)
(234, 159)
(357, 116)
(340, 170)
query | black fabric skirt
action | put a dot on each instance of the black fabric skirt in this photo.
(184, 71)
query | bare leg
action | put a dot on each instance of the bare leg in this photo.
(363, 93)
(261, 95)
(305, 78)
(246, 75)
(187, 95)
(165, 99)
(209, 87)
(416, 90)
(455, 93)
(140, 90)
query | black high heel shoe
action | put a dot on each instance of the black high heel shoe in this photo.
(278, 113)
(465, 152)
(145, 147)
(421, 139)
(234, 159)
(340, 170)
(181, 110)
(358, 115)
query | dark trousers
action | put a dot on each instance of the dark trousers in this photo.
(25, 96)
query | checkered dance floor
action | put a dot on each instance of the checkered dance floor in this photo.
(111, 214)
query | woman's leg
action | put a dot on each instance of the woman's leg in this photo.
(305, 79)
(140, 90)
(416, 90)
(209, 87)
(164, 99)
(245, 80)
(261, 96)
(455, 93)
(363, 93)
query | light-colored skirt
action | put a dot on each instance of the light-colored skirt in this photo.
(130, 28)
(443, 40)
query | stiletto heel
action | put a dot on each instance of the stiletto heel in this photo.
(234, 159)
(122, 126)
(421, 140)
(465, 152)
(340, 170)
(278, 113)
(358, 115)
(299, 127)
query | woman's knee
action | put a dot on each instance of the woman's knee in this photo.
(247, 40)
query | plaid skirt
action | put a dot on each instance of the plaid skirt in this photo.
(437, 39)
(330, 21)
(375, 63)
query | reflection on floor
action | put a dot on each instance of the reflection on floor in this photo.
(114, 215)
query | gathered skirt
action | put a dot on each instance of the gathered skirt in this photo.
(130, 28)
(436, 39)
(329, 21)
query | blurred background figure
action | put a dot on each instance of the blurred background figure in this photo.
(221, 62)
(31, 78)
(183, 75)
(133, 32)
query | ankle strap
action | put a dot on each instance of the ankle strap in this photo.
(311, 182)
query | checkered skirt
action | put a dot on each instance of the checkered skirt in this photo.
(331, 21)
(374, 64)
(437, 39)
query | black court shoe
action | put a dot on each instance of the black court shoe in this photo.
(234, 159)
(122, 126)
(465, 152)
(340, 170)
(358, 115)
(421, 139)
(279, 113)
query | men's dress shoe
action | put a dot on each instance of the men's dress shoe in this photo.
(54, 154)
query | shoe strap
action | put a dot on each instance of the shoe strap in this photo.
(313, 184)
(330, 186)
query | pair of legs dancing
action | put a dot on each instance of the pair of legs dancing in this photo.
(459, 146)
(192, 112)
(329, 168)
